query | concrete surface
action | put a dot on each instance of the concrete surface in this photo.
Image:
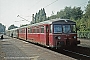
(15, 49)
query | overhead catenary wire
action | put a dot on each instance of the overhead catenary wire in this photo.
(35, 4)
(51, 3)
(23, 18)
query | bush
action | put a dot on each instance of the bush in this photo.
(83, 34)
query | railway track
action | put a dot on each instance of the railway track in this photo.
(87, 56)
(79, 53)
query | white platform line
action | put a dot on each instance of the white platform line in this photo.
(34, 58)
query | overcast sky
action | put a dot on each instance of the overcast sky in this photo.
(10, 9)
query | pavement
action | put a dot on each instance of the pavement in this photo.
(15, 49)
(84, 43)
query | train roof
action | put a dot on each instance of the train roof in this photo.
(60, 21)
(12, 29)
(48, 22)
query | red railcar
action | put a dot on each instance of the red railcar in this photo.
(22, 33)
(53, 33)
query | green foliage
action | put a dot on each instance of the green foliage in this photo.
(87, 11)
(2, 28)
(69, 13)
(40, 16)
(66, 13)
(23, 25)
(84, 23)
(83, 34)
(73, 13)
(12, 27)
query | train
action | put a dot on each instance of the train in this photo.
(54, 33)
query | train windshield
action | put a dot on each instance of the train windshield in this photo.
(57, 28)
(69, 29)
(64, 28)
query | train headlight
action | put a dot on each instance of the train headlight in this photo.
(59, 37)
(74, 37)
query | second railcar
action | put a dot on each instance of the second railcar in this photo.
(22, 33)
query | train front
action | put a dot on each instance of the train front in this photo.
(64, 33)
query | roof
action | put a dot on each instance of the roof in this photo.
(58, 20)
(49, 22)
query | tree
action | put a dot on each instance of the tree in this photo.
(43, 15)
(76, 13)
(53, 16)
(23, 25)
(67, 12)
(2, 28)
(12, 27)
(86, 16)
(70, 13)
(40, 16)
(87, 11)
(61, 14)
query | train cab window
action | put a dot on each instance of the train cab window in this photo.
(57, 28)
(73, 28)
(69, 28)
(66, 29)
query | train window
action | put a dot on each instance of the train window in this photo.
(29, 30)
(23, 30)
(73, 28)
(37, 30)
(20, 31)
(66, 29)
(42, 29)
(33, 30)
(57, 28)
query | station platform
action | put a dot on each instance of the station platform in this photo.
(15, 49)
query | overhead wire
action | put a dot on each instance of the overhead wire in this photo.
(51, 3)
(35, 4)
(82, 4)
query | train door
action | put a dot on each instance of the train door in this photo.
(47, 35)
(26, 34)
(17, 33)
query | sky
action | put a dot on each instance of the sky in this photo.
(10, 9)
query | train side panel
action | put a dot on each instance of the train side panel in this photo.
(38, 37)
(33, 37)
(22, 33)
